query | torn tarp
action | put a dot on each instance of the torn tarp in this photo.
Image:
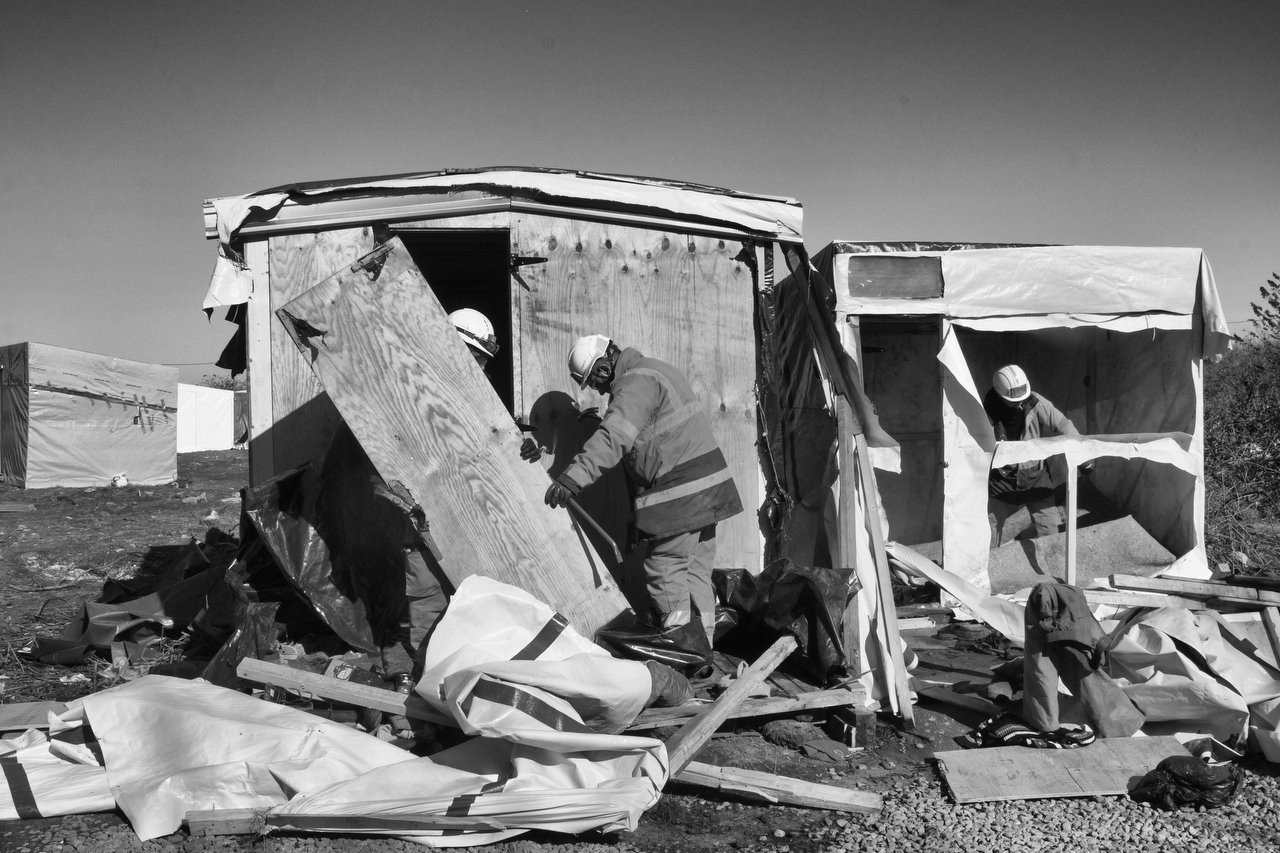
(543, 703)
(174, 606)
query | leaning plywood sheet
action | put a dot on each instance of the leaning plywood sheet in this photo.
(1107, 766)
(382, 346)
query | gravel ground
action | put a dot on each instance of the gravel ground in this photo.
(918, 816)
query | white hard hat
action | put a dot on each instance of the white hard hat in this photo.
(1011, 383)
(584, 355)
(476, 330)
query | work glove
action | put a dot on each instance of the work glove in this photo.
(530, 451)
(558, 494)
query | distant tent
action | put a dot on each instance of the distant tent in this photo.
(206, 418)
(71, 418)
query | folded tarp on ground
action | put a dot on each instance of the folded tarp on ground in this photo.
(543, 702)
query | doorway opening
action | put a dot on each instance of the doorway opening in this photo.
(471, 269)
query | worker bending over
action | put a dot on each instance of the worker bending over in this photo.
(681, 483)
(1018, 415)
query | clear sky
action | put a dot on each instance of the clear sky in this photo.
(1142, 122)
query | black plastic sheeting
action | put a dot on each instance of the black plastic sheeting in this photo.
(338, 542)
(803, 601)
(685, 648)
(798, 430)
(188, 595)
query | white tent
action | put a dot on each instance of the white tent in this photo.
(206, 418)
(71, 418)
(1114, 336)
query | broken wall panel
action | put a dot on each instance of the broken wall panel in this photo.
(682, 299)
(389, 358)
(303, 419)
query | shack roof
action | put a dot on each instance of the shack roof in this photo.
(650, 202)
(1023, 286)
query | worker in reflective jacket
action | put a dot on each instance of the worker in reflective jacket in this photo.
(681, 483)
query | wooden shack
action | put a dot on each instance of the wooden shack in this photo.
(680, 271)
(1115, 337)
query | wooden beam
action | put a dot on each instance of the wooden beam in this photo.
(334, 689)
(1271, 621)
(258, 354)
(210, 822)
(888, 616)
(773, 788)
(423, 411)
(836, 697)
(848, 517)
(682, 746)
(1198, 589)
(1072, 486)
(1132, 598)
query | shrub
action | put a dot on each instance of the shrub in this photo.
(1242, 445)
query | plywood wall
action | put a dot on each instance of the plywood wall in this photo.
(672, 296)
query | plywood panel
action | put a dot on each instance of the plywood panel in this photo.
(302, 416)
(428, 418)
(681, 299)
(1108, 766)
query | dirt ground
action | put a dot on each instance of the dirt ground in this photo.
(57, 556)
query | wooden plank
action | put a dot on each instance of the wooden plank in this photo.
(209, 822)
(428, 418)
(1271, 620)
(888, 617)
(258, 329)
(314, 684)
(1197, 589)
(20, 716)
(1105, 767)
(1072, 487)
(773, 788)
(848, 518)
(303, 417)
(1133, 598)
(682, 746)
(836, 697)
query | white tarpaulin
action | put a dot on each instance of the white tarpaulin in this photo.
(544, 705)
(1047, 286)
(206, 418)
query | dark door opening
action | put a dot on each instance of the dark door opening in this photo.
(471, 269)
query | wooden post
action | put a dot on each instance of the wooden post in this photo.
(1072, 484)
(690, 737)
(892, 641)
(848, 543)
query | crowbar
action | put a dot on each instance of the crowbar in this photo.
(582, 513)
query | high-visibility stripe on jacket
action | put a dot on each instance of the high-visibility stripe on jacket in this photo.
(656, 426)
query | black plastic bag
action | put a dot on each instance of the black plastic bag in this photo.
(1185, 780)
